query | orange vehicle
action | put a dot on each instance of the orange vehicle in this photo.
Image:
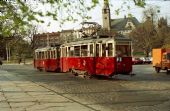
(161, 59)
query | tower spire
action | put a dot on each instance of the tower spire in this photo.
(106, 15)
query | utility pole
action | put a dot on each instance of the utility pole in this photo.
(7, 53)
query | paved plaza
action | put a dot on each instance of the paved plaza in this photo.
(23, 88)
(21, 95)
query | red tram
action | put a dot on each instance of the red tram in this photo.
(101, 56)
(47, 59)
(95, 56)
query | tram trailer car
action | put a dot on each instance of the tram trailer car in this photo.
(47, 58)
(102, 56)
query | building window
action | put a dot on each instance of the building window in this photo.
(105, 11)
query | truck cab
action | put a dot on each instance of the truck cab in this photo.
(166, 61)
(161, 59)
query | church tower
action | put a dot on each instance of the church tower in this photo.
(106, 15)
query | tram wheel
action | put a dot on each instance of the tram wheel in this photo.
(87, 75)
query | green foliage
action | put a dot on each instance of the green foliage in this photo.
(21, 49)
(16, 15)
(140, 3)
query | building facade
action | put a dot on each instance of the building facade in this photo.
(46, 39)
(123, 25)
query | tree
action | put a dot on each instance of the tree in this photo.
(151, 13)
(163, 34)
(143, 37)
(21, 50)
(17, 14)
(29, 36)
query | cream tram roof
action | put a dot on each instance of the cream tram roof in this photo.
(98, 40)
(45, 49)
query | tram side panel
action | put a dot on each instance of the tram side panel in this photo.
(39, 64)
(124, 65)
(78, 63)
(104, 66)
(52, 65)
(82, 63)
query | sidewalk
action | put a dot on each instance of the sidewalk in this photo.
(17, 94)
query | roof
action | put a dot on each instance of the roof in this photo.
(93, 40)
(119, 24)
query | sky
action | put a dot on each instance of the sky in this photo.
(96, 14)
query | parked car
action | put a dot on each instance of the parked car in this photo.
(146, 60)
(136, 60)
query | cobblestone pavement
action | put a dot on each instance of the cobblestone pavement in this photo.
(23, 88)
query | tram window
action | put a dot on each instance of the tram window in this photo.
(97, 50)
(53, 53)
(49, 55)
(39, 55)
(77, 51)
(58, 52)
(64, 52)
(42, 55)
(91, 50)
(36, 55)
(84, 50)
(110, 49)
(123, 50)
(103, 50)
(46, 53)
(71, 51)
